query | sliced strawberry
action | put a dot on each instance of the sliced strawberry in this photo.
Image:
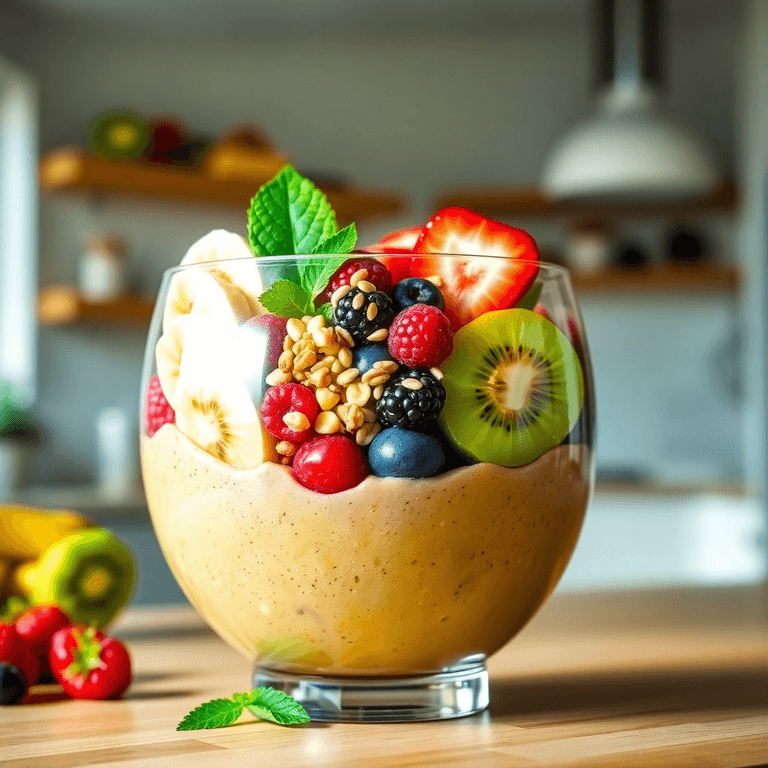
(472, 287)
(400, 242)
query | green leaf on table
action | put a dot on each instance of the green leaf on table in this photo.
(212, 714)
(287, 299)
(264, 703)
(274, 705)
(326, 310)
(289, 215)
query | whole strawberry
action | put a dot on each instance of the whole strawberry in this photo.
(19, 666)
(89, 665)
(157, 409)
(37, 626)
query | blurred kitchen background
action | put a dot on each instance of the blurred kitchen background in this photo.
(399, 108)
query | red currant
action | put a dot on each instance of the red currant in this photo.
(329, 464)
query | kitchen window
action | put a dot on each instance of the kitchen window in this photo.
(18, 228)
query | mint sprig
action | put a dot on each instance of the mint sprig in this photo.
(263, 703)
(287, 299)
(290, 215)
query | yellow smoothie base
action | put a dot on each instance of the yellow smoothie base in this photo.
(392, 577)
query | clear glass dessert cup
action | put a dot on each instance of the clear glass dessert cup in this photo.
(379, 603)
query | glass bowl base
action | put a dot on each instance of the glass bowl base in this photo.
(455, 692)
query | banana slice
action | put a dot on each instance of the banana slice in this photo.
(221, 245)
(196, 291)
(192, 335)
(214, 410)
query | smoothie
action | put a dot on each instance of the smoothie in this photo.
(392, 577)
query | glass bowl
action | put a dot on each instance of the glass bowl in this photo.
(380, 602)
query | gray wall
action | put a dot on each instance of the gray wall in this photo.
(418, 112)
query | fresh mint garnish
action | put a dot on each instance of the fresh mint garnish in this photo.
(287, 299)
(274, 705)
(342, 242)
(315, 273)
(289, 215)
(212, 714)
(264, 703)
(326, 310)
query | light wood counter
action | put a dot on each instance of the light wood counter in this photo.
(668, 678)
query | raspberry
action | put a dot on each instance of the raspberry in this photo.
(421, 336)
(289, 399)
(329, 464)
(157, 410)
(378, 274)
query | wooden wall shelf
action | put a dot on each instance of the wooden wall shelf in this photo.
(61, 305)
(660, 278)
(532, 202)
(72, 169)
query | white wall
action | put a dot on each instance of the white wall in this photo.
(416, 112)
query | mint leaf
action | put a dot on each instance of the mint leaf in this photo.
(529, 300)
(315, 273)
(342, 242)
(326, 310)
(212, 714)
(264, 703)
(289, 215)
(287, 299)
(274, 705)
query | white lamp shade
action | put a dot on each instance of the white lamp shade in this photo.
(628, 156)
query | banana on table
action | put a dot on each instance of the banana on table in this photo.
(61, 557)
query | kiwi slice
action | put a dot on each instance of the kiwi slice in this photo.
(514, 388)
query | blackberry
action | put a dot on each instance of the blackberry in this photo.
(410, 399)
(353, 313)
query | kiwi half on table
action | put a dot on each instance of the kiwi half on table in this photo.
(514, 388)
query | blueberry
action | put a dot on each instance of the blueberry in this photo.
(397, 452)
(364, 357)
(12, 684)
(416, 290)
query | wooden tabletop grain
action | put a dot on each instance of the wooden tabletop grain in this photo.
(668, 678)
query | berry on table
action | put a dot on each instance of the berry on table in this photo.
(329, 464)
(421, 336)
(157, 409)
(362, 313)
(416, 290)
(37, 626)
(397, 452)
(13, 684)
(289, 412)
(364, 357)
(89, 665)
(378, 275)
(17, 660)
(412, 398)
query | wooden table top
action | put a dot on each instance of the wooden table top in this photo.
(668, 678)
